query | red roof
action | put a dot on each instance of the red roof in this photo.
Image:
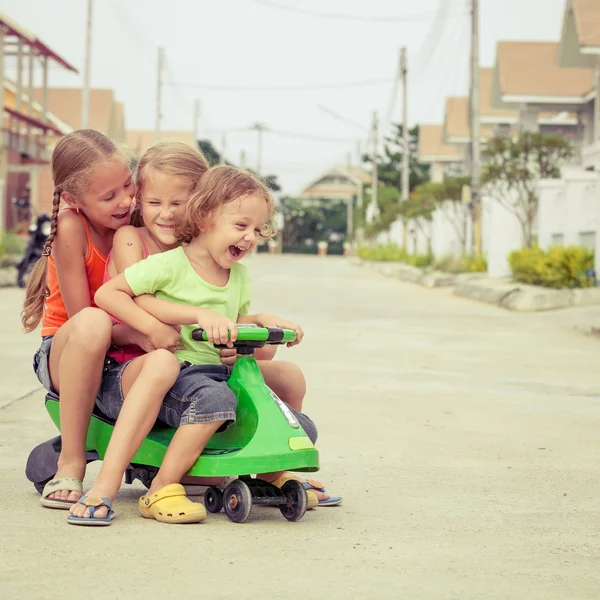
(12, 28)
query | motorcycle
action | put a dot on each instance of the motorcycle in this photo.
(38, 234)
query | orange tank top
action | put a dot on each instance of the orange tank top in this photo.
(55, 313)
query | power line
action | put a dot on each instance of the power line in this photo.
(279, 88)
(347, 17)
(340, 118)
(282, 133)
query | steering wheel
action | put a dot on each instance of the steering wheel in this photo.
(250, 337)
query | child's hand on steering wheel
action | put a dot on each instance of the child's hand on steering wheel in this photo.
(219, 329)
(277, 322)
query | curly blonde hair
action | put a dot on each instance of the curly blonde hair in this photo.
(218, 186)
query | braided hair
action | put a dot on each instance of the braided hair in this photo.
(75, 157)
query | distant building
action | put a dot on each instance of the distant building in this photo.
(337, 183)
(139, 140)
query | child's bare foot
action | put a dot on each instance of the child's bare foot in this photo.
(83, 512)
(73, 470)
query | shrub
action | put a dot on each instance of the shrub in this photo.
(558, 267)
(387, 252)
(461, 264)
(392, 252)
(12, 244)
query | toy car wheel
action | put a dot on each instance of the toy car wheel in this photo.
(296, 500)
(237, 501)
(213, 499)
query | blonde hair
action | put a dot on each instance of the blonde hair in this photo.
(74, 159)
(220, 185)
(170, 158)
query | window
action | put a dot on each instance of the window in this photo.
(557, 239)
(587, 239)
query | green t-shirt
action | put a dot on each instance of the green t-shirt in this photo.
(170, 276)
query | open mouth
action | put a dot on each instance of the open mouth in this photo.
(236, 251)
(121, 216)
(166, 227)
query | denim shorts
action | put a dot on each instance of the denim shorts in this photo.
(41, 361)
(200, 395)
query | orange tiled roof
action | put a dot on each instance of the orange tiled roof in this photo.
(431, 144)
(587, 21)
(531, 69)
(456, 119)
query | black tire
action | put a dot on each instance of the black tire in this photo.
(296, 500)
(237, 501)
(213, 500)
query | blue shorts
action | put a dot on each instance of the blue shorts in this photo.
(40, 364)
(200, 395)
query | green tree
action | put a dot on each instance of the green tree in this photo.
(447, 196)
(388, 201)
(318, 220)
(514, 165)
(389, 167)
(213, 156)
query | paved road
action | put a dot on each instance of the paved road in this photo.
(463, 438)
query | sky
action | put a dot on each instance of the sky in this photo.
(266, 61)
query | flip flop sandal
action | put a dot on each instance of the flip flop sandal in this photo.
(171, 505)
(92, 504)
(59, 484)
(310, 484)
(313, 499)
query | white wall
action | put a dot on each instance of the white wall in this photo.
(552, 212)
(445, 238)
(503, 236)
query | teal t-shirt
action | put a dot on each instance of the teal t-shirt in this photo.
(170, 276)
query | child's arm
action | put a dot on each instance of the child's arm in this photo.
(116, 298)
(68, 251)
(127, 250)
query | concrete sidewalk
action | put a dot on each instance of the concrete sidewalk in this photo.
(464, 439)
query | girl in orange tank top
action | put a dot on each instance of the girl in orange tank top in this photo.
(92, 177)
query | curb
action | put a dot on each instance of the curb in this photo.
(506, 293)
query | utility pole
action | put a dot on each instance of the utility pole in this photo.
(223, 148)
(87, 64)
(475, 130)
(350, 208)
(373, 208)
(259, 128)
(405, 142)
(159, 83)
(196, 118)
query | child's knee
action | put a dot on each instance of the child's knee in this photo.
(93, 327)
(292, 378)
(161, 365)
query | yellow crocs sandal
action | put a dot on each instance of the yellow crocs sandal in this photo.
(171, 505)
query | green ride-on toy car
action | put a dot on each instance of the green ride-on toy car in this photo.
(265, 438)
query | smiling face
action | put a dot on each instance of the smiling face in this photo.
(160, 201)
(108, 195)
(235, 229)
